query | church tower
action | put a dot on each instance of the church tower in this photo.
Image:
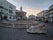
(21, 8)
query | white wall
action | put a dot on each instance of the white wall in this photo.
(7, 5)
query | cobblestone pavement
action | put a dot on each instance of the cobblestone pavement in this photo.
(21, 34)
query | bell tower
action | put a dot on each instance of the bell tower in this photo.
(21, 8)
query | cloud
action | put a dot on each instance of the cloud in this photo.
(31, 11)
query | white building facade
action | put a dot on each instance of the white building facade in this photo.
(8, 10)
(43, 15)
(51, 13)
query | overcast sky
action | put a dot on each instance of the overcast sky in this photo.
(32, 6)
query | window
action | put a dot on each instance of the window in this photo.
(1, 13)
(5, 17)
(1, 6)
(10, 11)
(10, 7)
(10, 17)
(51, 13)
(50, 9)
(6, 9)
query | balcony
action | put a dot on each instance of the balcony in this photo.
(1, 7)
(1, 13)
